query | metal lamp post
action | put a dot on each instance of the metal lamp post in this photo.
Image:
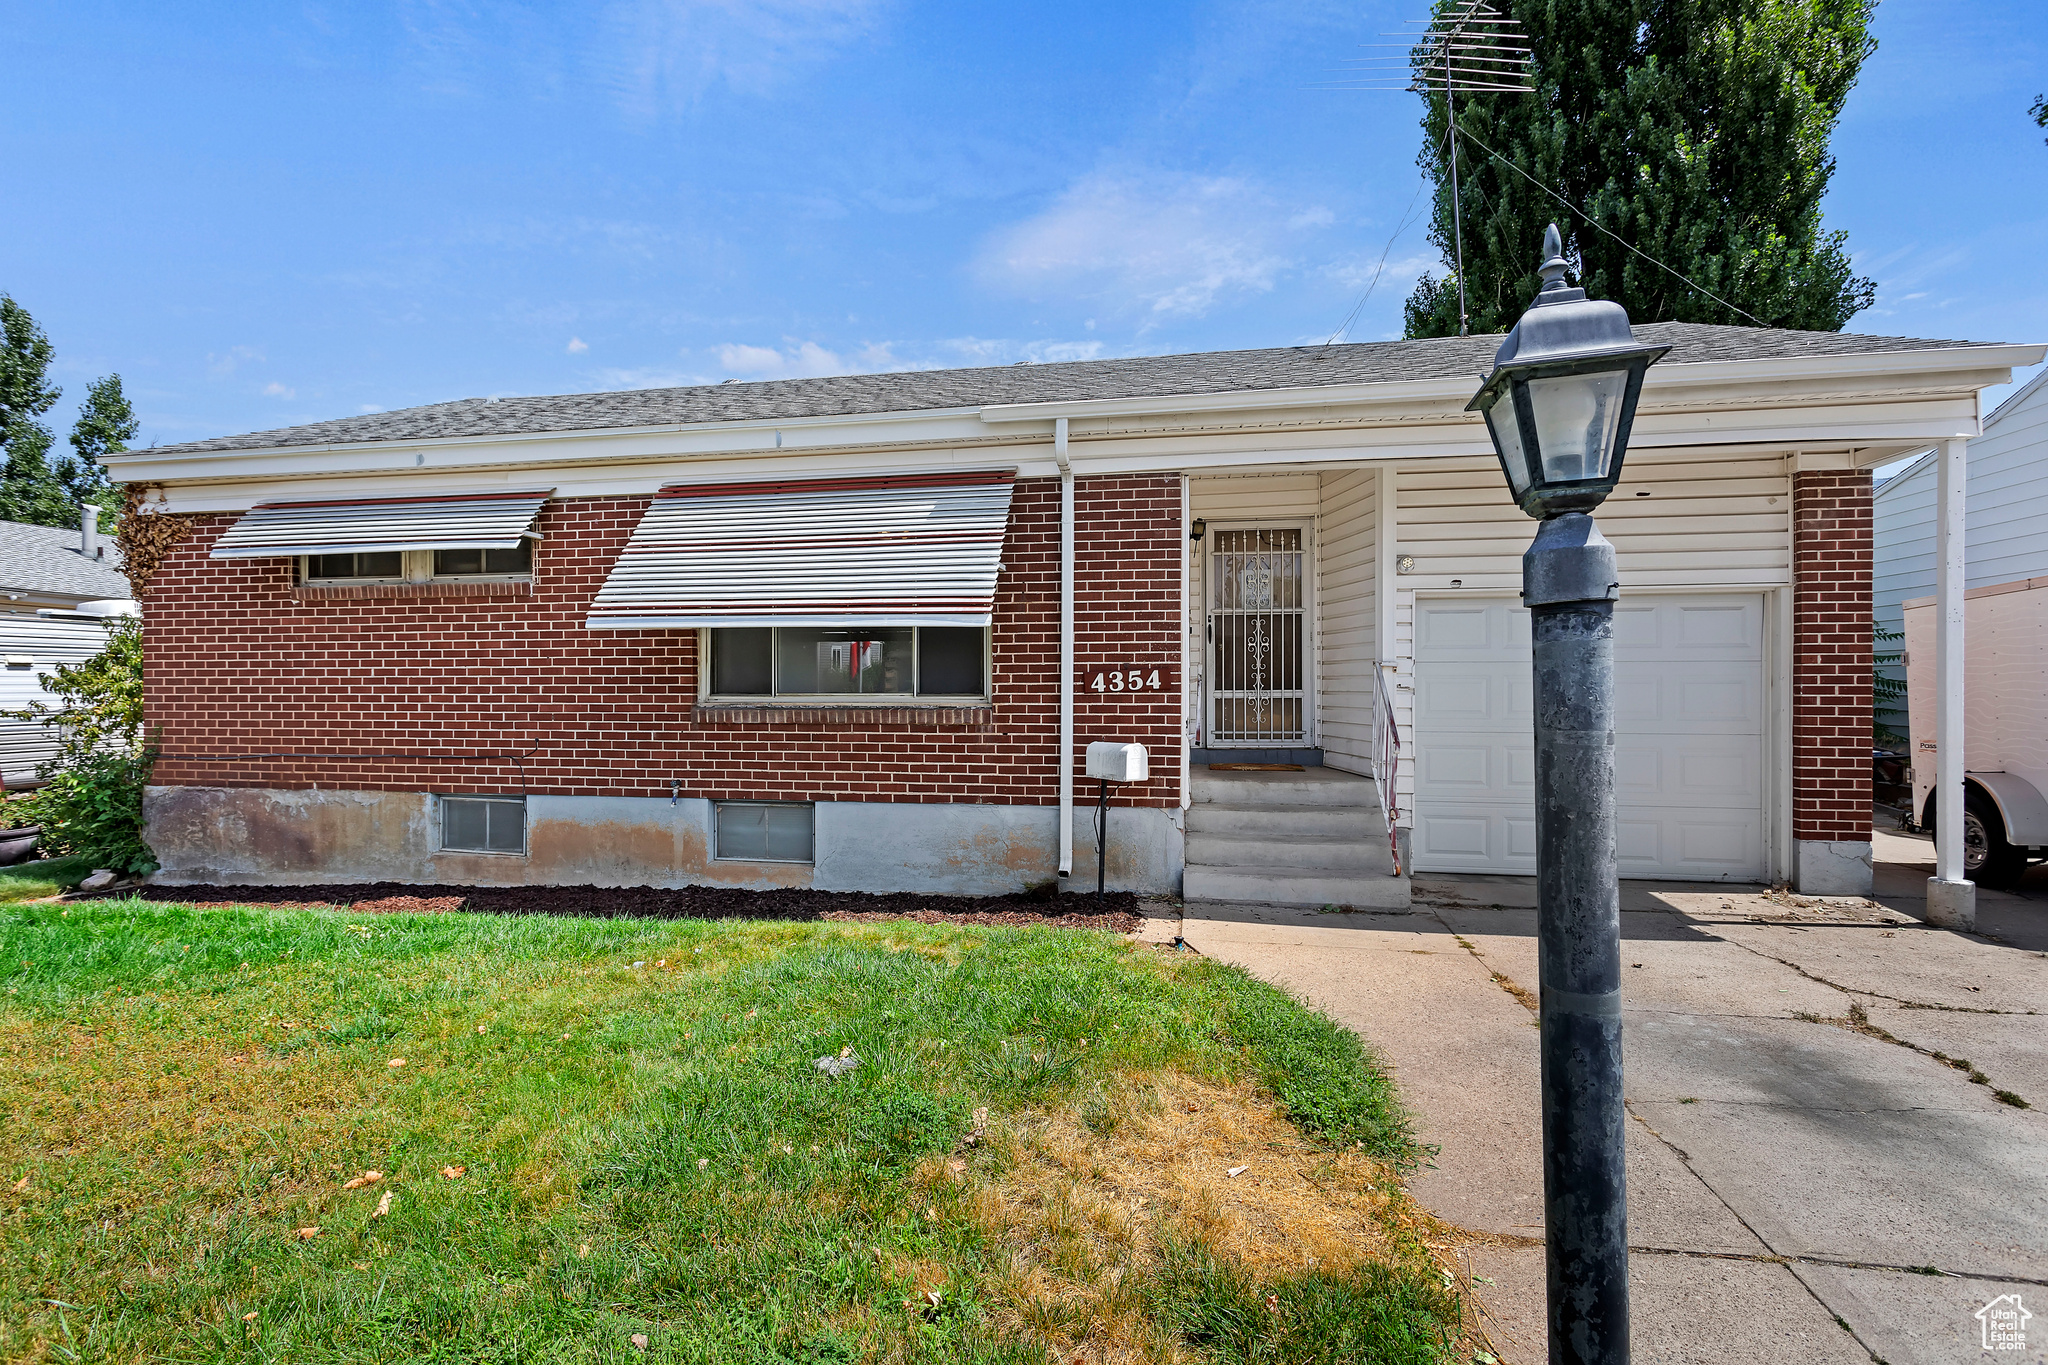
(1559, 405)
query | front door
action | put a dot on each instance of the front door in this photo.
(1258, 638)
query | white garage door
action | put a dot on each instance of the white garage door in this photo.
(1688, 737)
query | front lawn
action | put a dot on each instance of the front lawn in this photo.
(608, 1140)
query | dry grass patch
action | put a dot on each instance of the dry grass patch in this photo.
(1085, 1206)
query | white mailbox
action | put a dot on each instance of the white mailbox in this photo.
(1118, 763)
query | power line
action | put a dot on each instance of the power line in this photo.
(1407, 220)
(1591, 221)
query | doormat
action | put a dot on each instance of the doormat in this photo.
(1255, 767)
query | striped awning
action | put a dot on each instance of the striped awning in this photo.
(457, 521)
(910, 550)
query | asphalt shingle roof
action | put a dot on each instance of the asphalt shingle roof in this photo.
(45, 559)
(927, 390)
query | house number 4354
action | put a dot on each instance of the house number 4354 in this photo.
(1125, 680)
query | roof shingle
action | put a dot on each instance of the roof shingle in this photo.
(1070, 381)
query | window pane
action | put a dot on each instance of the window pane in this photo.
(788, 833)
(458, 561)
(742, 662)
(464, 824)
(949, 661)
(764, 833)
(742, 831)
(383, 564)
(508, 826)
(516, 560)
(330, 566)
(835, 661)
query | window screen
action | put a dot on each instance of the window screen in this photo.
(483, 824)
(470, 563)
(759, 832)
(382, 564)
(950, 661)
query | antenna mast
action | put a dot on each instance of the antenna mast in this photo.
(1467, 45)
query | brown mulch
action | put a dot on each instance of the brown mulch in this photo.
(1119, 913)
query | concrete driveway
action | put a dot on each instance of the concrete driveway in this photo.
(1808, 1180)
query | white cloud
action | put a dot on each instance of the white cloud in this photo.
(999, 351)
(234, 357)
(577, 346)
(368, 408)
(1156, 244)
(665, 53)
(799, 360)
(276, 390)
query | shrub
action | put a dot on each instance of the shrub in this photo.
(93, 810)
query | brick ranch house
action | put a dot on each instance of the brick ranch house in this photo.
(810, 632)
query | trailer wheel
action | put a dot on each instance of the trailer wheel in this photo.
(1988, 858)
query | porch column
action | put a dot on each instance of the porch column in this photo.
(1951, 899)
(1831, 676)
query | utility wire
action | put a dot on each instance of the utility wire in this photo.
(1407, 221)
(1593, 222)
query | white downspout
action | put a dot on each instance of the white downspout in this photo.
(1951, 899)
(1059, 453)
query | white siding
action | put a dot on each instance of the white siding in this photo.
(1346, 608)
(2005, 510)
(1254, 497)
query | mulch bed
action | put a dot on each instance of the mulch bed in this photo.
(1119, 914)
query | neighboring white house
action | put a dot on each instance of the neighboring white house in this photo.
(58, 589)
(2005, 512)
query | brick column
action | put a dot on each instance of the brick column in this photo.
(1831, 673)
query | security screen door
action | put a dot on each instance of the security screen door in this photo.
(1258, 694)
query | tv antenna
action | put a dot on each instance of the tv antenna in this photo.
(1467, 45)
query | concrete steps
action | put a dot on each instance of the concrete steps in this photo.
(1309, 838)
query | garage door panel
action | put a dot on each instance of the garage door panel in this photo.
(1689, 723)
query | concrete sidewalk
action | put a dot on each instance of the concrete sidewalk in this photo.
(1794, 1172)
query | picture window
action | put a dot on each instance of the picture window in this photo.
(857, 661)
(479, 824)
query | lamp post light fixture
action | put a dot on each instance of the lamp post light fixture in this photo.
(1559, 405)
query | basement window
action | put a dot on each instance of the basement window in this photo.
(483, 824)
(764, 832)
(855, 661)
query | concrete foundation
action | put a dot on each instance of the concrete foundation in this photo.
(1952, 905)
(1833, 867)
(259, 836)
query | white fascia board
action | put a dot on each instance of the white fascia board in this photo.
(1757, 401)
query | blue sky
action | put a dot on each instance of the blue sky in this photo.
(263, 215)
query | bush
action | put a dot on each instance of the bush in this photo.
(93, 810)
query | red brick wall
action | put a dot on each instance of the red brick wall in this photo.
(433, 693)
(1831, 668)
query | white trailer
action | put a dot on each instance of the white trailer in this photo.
(2005, 725)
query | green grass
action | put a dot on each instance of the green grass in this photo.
(41, 879)
(181, 1090)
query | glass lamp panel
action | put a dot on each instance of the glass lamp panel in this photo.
(1507, 439)
(1577, 416)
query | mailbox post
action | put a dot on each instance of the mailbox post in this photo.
(1109, 763)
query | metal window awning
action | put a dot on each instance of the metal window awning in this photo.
(457, 521)
(916, 550)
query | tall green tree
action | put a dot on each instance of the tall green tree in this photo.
(34, 487)
(28, 487)
(106, 423)
(1695, 131)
